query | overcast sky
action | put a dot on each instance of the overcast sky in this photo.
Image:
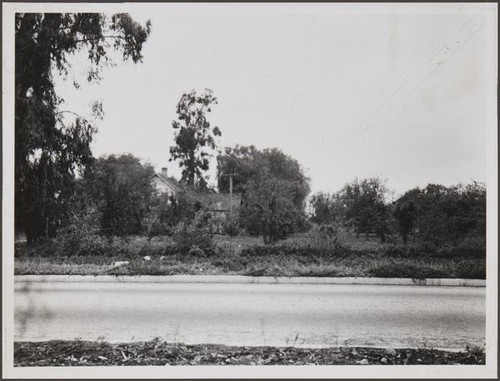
(349, 91)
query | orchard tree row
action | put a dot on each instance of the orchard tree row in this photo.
(435, 214)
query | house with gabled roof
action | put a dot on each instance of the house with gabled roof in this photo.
(165, 184)
(220, 206)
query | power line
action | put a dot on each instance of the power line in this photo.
(422, 81)
(444, 50)
(427, 62)
(440, 65)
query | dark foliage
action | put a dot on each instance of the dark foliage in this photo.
(273, 188)
(405, 270)
(304, 252)
(194, 237)
(268, 209)
(360, 205)
(167, 212)
(121, 189)
(249, 163)
(442, 215)
(48, 148)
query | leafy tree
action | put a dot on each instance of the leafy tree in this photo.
(321, 205)
(431, 224)
(326, 208)
(194, 137)
(383, 221)
(439, 215)
(248, 163)
(268, 209)
(48, 148)
(121, 187)
(273, 188)
(467, 210)
(364, 206)
(405, 213)
(243, 161)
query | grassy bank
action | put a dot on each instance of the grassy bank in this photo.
(86, 353)
(300, 255)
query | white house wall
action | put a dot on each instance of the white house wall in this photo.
(162, 187)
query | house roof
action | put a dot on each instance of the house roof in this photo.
(211, 200)
(170, 181)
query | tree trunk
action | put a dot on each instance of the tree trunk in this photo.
(45, 219)
(405, 238)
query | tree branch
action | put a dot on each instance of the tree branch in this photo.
(69, 112)
(99, 38)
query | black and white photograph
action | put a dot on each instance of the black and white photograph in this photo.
(211, 190)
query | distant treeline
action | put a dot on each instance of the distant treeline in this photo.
(115, 197)
(435, 214)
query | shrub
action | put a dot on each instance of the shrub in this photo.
(93, 245)
(398, 251)
(43, 248)
(153, 224)
(256, 271)
(471, 270)
(325, 238)
(194, 237)
(81, 236)
(406, 270)
(320, 271)
(152, 250)
(294, 251)
(395, 251)
(327, 231)
(166, 212)
(426, 249)
(231, 226)
(471, 247)
(231, 263)
(467, 249)
(431, 251)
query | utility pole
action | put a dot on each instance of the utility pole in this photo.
(230, 175)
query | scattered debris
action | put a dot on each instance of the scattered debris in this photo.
(147, 258)
(390, 351)
(157, 352)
